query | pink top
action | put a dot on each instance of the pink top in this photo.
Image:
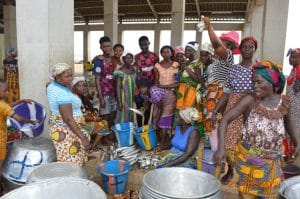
(167, 75)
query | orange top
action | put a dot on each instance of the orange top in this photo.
(167, 74)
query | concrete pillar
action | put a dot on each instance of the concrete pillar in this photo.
(177, 25)
(157, 37)
(274, 29)
(85, 43)
(42, 42)
(199, 37)
(120, 35)
(111, 20)
(10, 32)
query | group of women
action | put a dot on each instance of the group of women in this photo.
(240, 104)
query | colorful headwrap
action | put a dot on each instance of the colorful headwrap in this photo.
(189, 114)
(179, 49)
(77, 79)
(249, 39)
(272, 72)
(233, 37)
(58, 69)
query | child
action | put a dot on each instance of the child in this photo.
(93, 123)
(125, 89)
(6, 111)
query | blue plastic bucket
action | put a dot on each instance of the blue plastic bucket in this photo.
(124, 133)
(33, 111)
(114, 175)
(146, 137)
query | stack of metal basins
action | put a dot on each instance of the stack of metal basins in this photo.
(179, 183)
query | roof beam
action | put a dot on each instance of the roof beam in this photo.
(198, 9)
(152, 9)
(79, 14)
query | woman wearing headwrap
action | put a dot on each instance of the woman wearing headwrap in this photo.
(126, 87)
(293, 89)
(69, 139)
(225, 47)
(190, 83)
(94, 125)
(258, 153)
(11, 75)
(238, 83)
(184, 142)
(179, 55)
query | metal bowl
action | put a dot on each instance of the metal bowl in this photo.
(56, 169)
(25, 155)
(288, 187)
(58, 188)
(180, 183)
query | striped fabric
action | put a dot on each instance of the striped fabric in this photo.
(220, 68)
(127, 96)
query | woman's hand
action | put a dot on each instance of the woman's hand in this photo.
(86, 144)
(219, 155)
(102, 103)
(206, 21)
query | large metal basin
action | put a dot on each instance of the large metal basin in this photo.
(56, 169)
(290, 188)
(25, 155)
(58, 188)
(180, 183)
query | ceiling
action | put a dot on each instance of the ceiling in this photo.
(151, 10)
(91, 11)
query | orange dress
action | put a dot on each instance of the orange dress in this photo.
(5, 111)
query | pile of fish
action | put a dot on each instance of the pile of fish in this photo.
(131, 154)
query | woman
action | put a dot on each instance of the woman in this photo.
(293, 89)
(11, 75)
(190, 83)
(179, 55)
(258, 153)
(94, 124)
(185, 141)
(126, 86)
(225, 47)
(117, 57)
(165, 82)
(238, 84)
(70, 140)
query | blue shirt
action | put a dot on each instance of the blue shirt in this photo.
(180, 140)
(58, 95)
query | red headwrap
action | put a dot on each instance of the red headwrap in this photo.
(249, 39)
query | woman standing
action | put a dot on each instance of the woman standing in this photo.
(238, 84)
(70, 140)
(293, 89)
(126, 87)
(258, 153)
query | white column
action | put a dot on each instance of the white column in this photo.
(45, 36)
(157, 37)
(111, 20)
(10, 32)
(274, 30)
(85, 43)
(177, 25)
(198, 37)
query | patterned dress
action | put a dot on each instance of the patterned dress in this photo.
(293, 82)
(5, 111)
(128, 87)
(238, 84)
(68, 145)
(258, 154)
(12, 79)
